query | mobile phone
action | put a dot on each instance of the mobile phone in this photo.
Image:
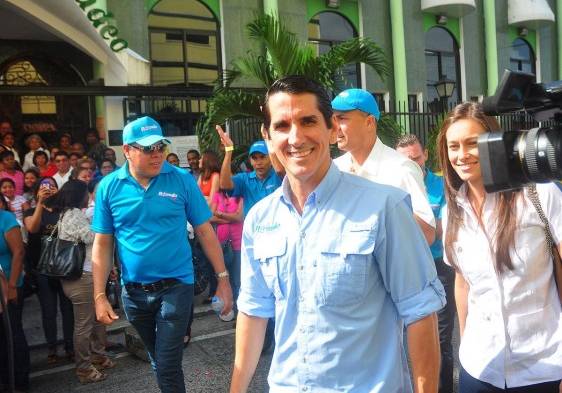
(45, 184)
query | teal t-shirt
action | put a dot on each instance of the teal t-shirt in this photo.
(7, 222)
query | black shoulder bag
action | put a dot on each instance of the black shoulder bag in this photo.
(61, 258)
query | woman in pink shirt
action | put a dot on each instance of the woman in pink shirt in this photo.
(228, 215)
(11, 170)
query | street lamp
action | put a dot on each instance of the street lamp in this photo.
(444, 88)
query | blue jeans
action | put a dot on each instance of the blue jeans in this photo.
(161, 320)
(469, 384)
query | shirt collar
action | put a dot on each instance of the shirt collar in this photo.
(123, 172)
(321, 193)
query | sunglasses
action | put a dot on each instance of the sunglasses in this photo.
(158, 147)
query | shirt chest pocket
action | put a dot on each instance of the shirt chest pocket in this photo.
(269, 252)
(344, 266)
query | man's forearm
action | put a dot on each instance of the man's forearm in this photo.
(250, 333)
(225, 177)
(423, 347)
(102, 255)
(211, 246)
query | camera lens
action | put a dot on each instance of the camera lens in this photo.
(540, 154)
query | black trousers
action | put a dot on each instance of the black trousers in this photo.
(21, 350)
(446, 317)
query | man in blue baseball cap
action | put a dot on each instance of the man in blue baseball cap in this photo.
(252, 186)
(144, 207)
(366, 156)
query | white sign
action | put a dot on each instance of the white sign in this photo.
(181, 145)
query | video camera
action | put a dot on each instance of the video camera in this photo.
(515, 158)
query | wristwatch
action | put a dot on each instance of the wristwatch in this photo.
(223, 274)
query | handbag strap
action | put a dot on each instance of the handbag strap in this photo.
(56, 226)
(534, 197)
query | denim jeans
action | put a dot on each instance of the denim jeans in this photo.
(49, 290)
(161, 320)
(446, 317)
(21, 350)
(469, 384)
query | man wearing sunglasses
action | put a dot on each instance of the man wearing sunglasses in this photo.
(145, 206)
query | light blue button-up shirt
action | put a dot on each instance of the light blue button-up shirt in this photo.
(340, 279)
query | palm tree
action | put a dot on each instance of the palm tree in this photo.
(286, 55)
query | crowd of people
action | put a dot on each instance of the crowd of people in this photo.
(352, 270)
(51, 191)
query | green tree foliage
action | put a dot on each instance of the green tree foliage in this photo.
(284, 55)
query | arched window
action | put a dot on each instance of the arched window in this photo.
(184, 44)
(521, 57)
(442, 62)
(327, 29)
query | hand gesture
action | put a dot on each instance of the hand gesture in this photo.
(225, 138)
(104, 311)
(43, 193)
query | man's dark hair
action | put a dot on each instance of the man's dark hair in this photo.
(5, 154)
(408, 140)
(62, 153)
(193, 151)
(71, 195)
(297, 84)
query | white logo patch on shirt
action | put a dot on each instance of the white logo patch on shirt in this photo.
(163, 194)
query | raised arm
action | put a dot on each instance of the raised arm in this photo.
(225, 179)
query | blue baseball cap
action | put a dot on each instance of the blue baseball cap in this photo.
(356, 99)
(258, 147)
(144, 131)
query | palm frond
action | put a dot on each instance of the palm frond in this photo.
(256, 67)
(226, 79)
(286, 53)
(357, 50)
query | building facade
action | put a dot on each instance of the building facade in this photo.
(79, 48)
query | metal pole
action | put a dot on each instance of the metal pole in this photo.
(491, 45)
(399, 56)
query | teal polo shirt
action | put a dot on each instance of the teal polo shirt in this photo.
(436, 195)
(150, 226)
(248, 186)
(7, 222)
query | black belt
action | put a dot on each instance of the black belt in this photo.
(153, 286)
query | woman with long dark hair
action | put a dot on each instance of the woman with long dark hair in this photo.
(210, 170)
(40, 221)
(510, 316)
(89, 335)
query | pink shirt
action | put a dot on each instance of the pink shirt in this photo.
(231, 231)
(17, 177)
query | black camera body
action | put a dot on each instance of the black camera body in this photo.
(513, 159)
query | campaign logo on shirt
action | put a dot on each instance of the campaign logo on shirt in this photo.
(267, 228)
(163, 194)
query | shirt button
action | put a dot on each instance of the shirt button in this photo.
(301, 299)
(301, 267)
(303, 235)
(304, 388)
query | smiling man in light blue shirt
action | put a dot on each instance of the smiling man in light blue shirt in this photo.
(339, 262)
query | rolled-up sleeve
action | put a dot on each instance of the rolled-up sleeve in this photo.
(406, 266)
(255, 298)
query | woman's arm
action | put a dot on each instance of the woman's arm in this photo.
(33, 223)
(214, 185)
(461, 299)
(15, 244)
(237, 216)
(215, 217)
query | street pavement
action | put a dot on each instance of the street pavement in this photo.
(207, 361)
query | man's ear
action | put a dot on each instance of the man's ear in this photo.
(265, 133)
(126, 151)
(425, 154)
(334, 130)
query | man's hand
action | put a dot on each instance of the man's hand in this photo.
(225, 138)
(104, 311)
(560, 387)
(225, 293)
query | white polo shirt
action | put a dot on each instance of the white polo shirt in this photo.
(513, 332)
(62, 179)
(385, 165)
